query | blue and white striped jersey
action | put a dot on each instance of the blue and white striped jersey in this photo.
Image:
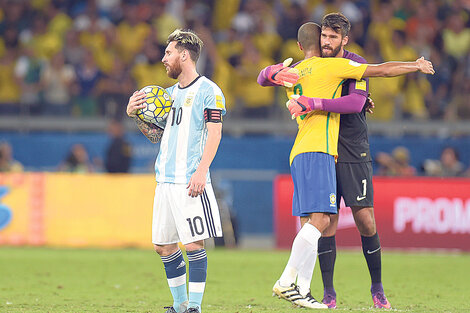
(185, 131)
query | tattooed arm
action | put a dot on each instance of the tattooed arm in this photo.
(152, 132)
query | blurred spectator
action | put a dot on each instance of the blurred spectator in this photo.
(449, 164)
(9, 84)
(58, 82)
(230, 47)
(46, 44)
(384, 91)
(416, 89)
(7, 163)
(265, 38)
(396, 164)
(349, 8)
(163, 23)
(223, 70)
(28, 73)
(399, 50)
(424, 23)
(97, 35)
(119, 151)
(357, 39)
(292, 17)
(11, 38)
(244, 22)
(458, 107)
(223, 14)
(149, 69)
(87, 76)
(77, 161)
(58, 22)
(16, 18)
(114, 90)
(111, 9)
(440, 85)
(131, 32)
(105, 53)
(73, 51)
(257, 100)
(456, 37)
(383, 26)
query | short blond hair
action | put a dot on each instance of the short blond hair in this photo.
(187, 39)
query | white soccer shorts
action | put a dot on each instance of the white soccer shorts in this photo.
(179, 218)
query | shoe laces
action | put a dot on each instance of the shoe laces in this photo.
(310, 298)
(192, 310)
(295, 288)
(381, 297)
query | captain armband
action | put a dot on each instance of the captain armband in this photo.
(213, 115)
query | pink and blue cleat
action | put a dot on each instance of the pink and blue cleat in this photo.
(329, 300)
(380, 301)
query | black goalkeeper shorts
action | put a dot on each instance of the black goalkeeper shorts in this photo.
(354, 184)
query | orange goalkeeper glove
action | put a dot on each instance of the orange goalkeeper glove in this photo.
(283, 75)
(300, 105)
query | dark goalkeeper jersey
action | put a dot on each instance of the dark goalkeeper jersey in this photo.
(353, 141)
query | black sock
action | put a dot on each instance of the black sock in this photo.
(372, 253)
(327, 258)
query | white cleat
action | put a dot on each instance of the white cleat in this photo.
(309, 302)
(290, 293)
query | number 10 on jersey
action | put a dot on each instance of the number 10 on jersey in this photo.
(176, 116)
(196, 225)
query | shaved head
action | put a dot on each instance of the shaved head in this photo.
(309, 37)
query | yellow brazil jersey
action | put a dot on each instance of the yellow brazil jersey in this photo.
(321, 78)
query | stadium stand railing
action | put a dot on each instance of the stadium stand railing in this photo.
(236, 126)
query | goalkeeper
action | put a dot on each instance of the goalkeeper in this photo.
(315, 149)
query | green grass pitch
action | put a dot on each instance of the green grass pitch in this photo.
(131, 280)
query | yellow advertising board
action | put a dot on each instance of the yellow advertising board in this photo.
(78, 210)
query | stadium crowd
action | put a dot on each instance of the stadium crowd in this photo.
(84, 58)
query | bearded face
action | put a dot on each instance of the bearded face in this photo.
(330, 42)
(173, 70)
(327, 51)
(172, 60)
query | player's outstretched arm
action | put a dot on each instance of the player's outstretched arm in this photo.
(300, 105)
(279, 75)
(391, 69)
(152, 132)
(198, 179)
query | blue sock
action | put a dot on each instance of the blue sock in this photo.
(197, 277)
(175, 269)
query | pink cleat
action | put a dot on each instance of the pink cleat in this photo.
(380, 301)
(330, 301)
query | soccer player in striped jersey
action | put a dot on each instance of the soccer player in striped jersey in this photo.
(314, 152)
(185, 209)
